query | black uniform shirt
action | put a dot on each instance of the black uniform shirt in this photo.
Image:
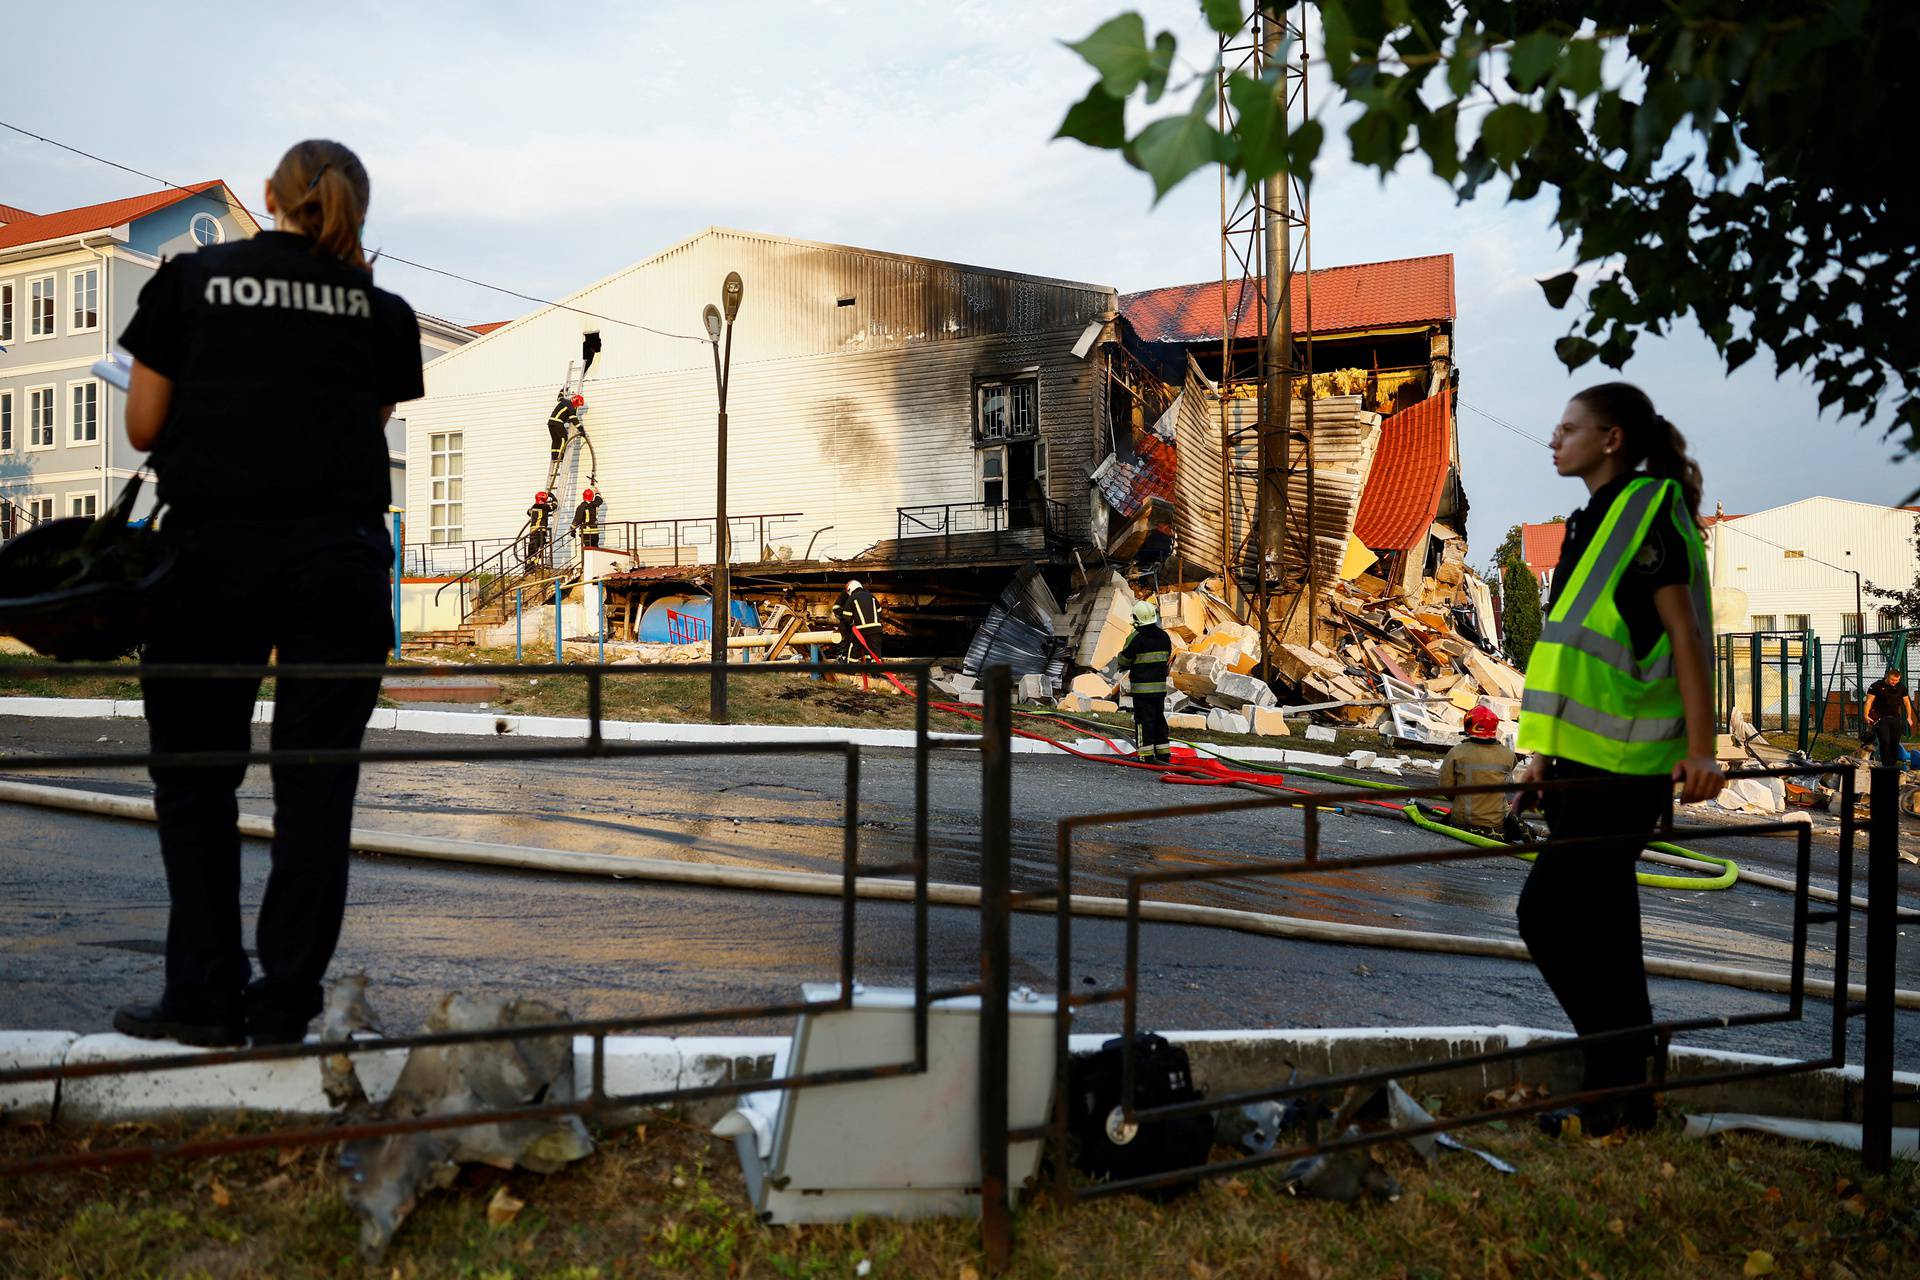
(539, 513)
(281, 360)
(1889, 700)
(587, 516)
(1662, 561)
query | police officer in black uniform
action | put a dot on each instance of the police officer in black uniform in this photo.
(539, 526)
(266, 365)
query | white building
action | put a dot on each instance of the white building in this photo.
(1792, 568)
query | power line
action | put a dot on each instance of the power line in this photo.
(390, 257)
(1502, 422)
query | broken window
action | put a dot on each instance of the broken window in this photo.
(1007, 410)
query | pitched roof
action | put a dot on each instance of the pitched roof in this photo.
(1409, 475)
(11, 213)
(1370, 295)
(489, 326)
(1540, 545)
(98, 217)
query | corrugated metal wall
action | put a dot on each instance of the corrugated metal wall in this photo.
(1878, 541)
(841, 413)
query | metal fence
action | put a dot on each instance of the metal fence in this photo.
(936, 519)
(1793, 683)
(595, 746)
(999, 900)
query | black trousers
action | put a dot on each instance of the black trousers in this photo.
(851, 650)
(556, 441)
(536, 544)
(1887, 732)
(1150, 723)
(315, 591)
(1580, 914)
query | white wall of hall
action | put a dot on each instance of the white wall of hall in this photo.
(840, 412)
(1749, 554)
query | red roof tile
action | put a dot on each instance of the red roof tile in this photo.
(489, 326)
(95, 217)
(9, 213)
(1409, 475)
(1371, 295)
(1540, 545)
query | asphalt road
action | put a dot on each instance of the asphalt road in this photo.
(85, 913)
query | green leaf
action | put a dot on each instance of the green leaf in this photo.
(1463, 65)
(1303, 145)
(1509, 131)
(1159, 65)
(1223, 16)
(1171, 149)
(1532, 58)
(1580, 69)
(1574, 352)
(1738, 352)
(1099, 120)
(1260, 122)
(1559, 288)
(1439, 139)
(1117, 49)
(1377, 138)
(1337, 33)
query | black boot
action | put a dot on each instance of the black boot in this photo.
(152, 1022)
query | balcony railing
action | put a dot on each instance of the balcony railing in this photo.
(944, 519)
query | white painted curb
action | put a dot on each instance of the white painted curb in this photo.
(489, 724)
(20, 1049)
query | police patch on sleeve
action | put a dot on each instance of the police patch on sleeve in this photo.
(1650, 556)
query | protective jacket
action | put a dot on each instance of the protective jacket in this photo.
(1146, 655)
(1590, 698)
(586, 520)
(857, 610)
(540, 515)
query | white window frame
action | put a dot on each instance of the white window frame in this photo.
(1796, 622)
(74, 318)
(39, 506)
(998, 454)
(193, 229)
(73, 417)
(1764, 622)
(83, 504)
(6, 420)
(446, 487)
(9, 307)
(985, 437)
(52, 281)
(53, 418)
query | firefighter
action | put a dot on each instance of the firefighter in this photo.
(1480, 761)
(239, 388)
(539, 526)
(858, 616)
(1619, 696)
(565, 417)
(586, 519)
(1145, 657)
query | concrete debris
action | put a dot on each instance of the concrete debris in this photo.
(1269, 723)
(1090, 684)
(385, 1177)
(345, 1015)
(1220, 720)
(1343, 1175)
(1186, 721)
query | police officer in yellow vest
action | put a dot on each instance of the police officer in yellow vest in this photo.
(1146, 655)
(1618, 694)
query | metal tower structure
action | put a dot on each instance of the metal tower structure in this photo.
(1266, 246)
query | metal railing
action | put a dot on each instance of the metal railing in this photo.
(15, 519)
(1795, 683)
(944, 519)
(448, 559)
(595, 746)
(654, 543)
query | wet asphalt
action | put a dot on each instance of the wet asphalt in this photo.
(84, 916)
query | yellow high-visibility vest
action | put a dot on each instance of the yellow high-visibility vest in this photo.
(1588, 697)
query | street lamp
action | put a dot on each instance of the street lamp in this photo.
(731, 291)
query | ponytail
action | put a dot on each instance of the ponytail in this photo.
(321, 190)
(1649, 437)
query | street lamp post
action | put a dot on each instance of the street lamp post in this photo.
(719, 320)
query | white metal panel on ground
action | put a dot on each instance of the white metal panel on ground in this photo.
(1751, 554)
(842, 414)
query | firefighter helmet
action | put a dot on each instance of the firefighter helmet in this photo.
(1483, 724)
(578, 402)
(1145, 611)
(586, 495)
(543, 496)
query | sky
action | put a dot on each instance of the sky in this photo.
(542, 147)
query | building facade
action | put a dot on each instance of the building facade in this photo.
(68, 285)
(871, 394)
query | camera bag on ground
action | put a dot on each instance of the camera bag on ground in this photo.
(1104, 1145)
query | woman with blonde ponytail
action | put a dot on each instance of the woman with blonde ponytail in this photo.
(1618, 701)
(265, 370)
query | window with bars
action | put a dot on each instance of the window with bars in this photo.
(83, 299)
(83, 424)
(446, 464)
(1850, 624)
(1889, 620)
(1762, 622)
(1799, 622)
(1006, 410)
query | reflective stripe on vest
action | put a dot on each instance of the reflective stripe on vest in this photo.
(1589, 698)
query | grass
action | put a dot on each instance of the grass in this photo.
(666, 1199)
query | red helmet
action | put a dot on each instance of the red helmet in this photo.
(542, 496)
(586, 495)
(579, 402)
(1482, 723)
